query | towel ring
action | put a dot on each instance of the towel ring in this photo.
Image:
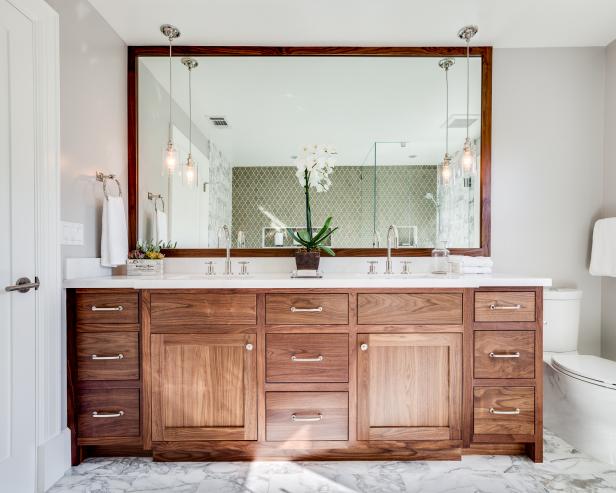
(102, 177)
(156, 197)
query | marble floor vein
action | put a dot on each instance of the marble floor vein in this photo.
(564, 470)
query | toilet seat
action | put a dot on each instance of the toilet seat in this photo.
(591, 369)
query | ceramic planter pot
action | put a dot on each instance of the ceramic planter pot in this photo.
(305, 260)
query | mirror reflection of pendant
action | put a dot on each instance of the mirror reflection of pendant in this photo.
(279, 238)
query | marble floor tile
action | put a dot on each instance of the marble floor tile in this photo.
(564, 470)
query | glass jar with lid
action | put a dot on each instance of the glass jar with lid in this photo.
(440, 259)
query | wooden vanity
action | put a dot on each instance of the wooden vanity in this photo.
(305, 374)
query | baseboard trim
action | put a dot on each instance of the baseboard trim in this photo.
(53, 459)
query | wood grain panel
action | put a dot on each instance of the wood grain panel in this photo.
(110, 344)
(500, 306)
(203, 387)
(409, 308)
(203, 308)
(331, 407)
(86, 304)
(507, 343)
(105, 401)
(331, 352)
(504, 399)
(279, 309)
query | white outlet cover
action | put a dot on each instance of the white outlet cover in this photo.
(72, 233)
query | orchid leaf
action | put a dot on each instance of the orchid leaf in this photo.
(323, 230)
(327, 250)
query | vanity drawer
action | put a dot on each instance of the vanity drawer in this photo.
(307, 416)
(108, 355)
(307, 309)
(307, 357)
(121, 307)
(108, 413)
(506, 354)
(504, 410)
(505, 306)
(203, 308)
(409, 308)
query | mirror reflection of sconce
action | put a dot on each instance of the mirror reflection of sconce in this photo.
(156, 197)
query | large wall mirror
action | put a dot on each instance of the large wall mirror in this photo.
(245, 115)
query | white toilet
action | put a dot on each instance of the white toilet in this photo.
(579, 390)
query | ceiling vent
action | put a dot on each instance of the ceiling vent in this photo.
(219, 121)
(459, 121)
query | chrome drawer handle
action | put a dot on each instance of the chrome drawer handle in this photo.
(96, 357)
(107, 309)
(307, 360)
(494, 306)
(512, 412)
(296, 418)
(505, 355)
(296, 310)
(96, 414)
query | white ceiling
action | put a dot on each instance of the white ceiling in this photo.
(502, 23)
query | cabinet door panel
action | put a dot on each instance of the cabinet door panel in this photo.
(409, 386)
(203, 387)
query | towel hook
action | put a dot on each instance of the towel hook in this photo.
(156, 197)
(100, 176)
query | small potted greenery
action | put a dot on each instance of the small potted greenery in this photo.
(314, 167)
(147, 259)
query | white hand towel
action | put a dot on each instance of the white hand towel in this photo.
(161, 226)
(603, 259)
(114, 237)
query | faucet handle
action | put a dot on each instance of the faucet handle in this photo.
(244, 267)
(372, 268)
(406, 266)
(210, 268)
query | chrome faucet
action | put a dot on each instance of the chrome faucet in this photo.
(225, 229)
(396, 241)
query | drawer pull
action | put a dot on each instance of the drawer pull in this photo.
(307, 360)
(494, 306)
(297, 310)
(296, 418)
(509, 412)
(107, 309)
(98, 358)
(505, 355)
(96, 414)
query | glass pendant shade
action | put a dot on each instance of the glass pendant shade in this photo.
(170, 159)
(468, 159)
(445, 173)
(170, 153)
(190, 173)
(467, 162)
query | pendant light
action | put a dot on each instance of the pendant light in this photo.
(190, 172)
(468, 156)
(170, 152)
(445, 172)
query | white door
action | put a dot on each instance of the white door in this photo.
(17, 253)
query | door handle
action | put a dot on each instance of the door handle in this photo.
(23, 285)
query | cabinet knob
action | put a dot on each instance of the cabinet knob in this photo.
(249, 347)
(364, 347)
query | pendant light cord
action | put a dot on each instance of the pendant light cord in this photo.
(446, 111)
(190, 111)
(170, 94)
(468, 50)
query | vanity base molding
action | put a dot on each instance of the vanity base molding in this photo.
(305, 374)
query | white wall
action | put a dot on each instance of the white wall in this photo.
(547, 166)
(609, 200)
(92, 114)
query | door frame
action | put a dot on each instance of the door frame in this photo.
(52, 434)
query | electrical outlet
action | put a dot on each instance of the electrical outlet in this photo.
(72, 233)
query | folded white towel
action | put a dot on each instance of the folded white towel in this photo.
(161, 226)
(472, 261)
(114, 237)
(603, 259)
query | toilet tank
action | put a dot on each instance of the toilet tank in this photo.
(561, 319)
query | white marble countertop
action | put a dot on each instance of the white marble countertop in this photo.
(284, 281)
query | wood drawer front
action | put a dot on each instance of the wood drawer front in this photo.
(307, 357)
(108, 307)
(518, 400)
(108, 355)
(318, 416)
(306, 309)
(409, 308)
(506, 354)
(505, 306)
(203, 308)
(110, 402)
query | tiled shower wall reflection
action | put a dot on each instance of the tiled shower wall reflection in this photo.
(269, 196)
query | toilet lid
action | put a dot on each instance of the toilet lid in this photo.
(590, 368)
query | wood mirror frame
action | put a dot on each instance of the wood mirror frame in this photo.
(485, 52)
